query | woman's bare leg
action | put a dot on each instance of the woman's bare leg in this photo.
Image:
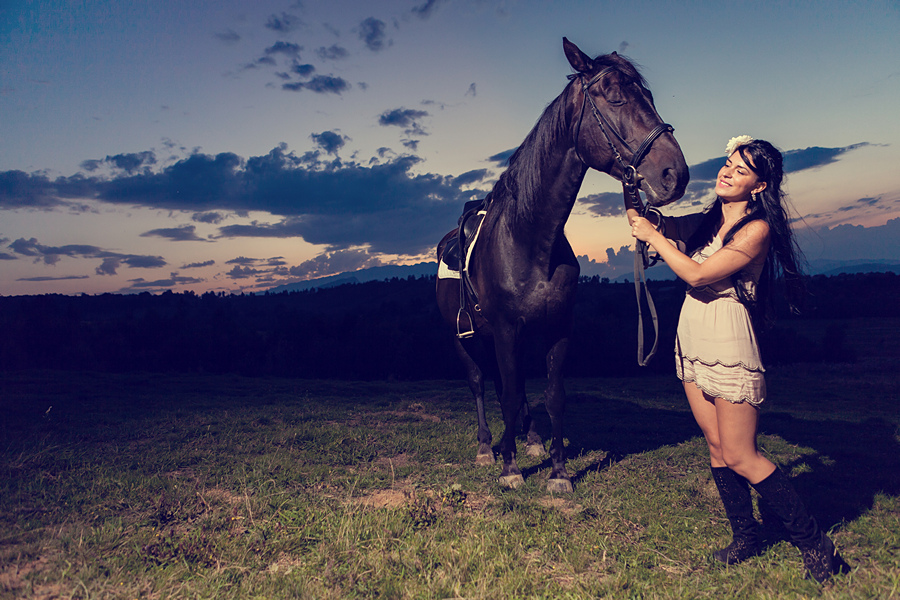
(736, 426)
(704, 408)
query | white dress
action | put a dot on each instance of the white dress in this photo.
(716, 346)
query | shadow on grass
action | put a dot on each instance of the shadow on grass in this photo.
(851, 462)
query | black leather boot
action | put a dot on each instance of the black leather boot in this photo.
(819, 555)
(734, 491)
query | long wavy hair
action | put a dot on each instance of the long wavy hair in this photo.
(784, 259)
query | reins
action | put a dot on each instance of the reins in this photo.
(631, 191)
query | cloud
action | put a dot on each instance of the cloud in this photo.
(284, 23)
(333, 52)
(130, 163)
(404, 117)
(111, 261)
(184, 233)
(19, 190)
(427, 9)
(371, 32)
(606, 204)
(470, 177)
(288, 49)
(65, 278)
(794, 161)
(329, 141)
(213, 218)
(321, 84)
(229, 36)
(502, 158)
(302, 70)
(617, 263)
(342, 261)
(852, 242)
(199, 265)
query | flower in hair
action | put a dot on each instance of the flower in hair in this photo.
(736, 142)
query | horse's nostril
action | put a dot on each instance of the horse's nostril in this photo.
(669, 179)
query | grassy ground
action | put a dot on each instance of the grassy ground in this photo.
(155, 486)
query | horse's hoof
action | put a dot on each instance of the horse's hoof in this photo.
(484, 459)
(535, 450)
(512, 481)
(559, 486)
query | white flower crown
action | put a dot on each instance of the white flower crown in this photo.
(735, 143)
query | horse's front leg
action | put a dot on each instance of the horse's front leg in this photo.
(511, 399)
(475, 379)
(555, 402)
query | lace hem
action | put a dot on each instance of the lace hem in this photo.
(719, 363)
(734, 383)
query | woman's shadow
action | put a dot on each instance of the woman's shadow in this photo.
(852, 462)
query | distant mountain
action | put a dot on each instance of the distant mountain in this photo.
(361, 276)
(836, 267)
(617, 274)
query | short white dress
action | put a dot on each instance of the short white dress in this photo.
(716, 346)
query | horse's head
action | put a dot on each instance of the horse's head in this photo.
(615, 126)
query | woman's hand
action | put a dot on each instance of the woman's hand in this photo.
(642, 229)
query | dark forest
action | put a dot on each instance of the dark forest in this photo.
(390, 330)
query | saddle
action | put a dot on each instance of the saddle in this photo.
(454, 258)
(457, 247)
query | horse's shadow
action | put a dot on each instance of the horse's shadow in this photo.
(851, 464)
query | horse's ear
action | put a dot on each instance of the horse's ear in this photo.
(580, 61)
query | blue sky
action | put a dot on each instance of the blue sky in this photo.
(235, 145)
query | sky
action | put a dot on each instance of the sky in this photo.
(236, 145)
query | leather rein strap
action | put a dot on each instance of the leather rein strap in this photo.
(631, 190)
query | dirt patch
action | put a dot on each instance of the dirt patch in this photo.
(14, 579)
(393, 462)
(218, 494)
(567, 507)
(386, 498)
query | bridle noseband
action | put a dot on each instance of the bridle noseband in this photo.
(629, 171)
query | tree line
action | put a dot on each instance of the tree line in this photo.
(382, 330)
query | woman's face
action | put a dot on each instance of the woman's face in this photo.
(736, 180)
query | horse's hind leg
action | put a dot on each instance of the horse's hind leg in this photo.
(534, 445)
(555, 401)
(475, 378)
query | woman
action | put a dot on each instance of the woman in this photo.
(729, 256)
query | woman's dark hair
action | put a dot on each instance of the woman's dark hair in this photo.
(784, 258)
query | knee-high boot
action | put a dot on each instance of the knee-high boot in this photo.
(734, 491)
(819, 555)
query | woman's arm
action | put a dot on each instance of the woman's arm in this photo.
(749, 244)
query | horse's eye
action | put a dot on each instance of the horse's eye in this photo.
(613, 95)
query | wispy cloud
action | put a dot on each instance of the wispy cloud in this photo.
(372, 33)
(284, 23)
(111, 261)
(184, 233)
(407, 118)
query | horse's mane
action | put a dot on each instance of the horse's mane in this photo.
(517, 188)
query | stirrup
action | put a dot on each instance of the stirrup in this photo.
(471, 329)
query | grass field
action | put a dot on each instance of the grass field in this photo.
(159, 486)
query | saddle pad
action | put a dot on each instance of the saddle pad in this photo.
(445, 272)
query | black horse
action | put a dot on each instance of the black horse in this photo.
(522, 270)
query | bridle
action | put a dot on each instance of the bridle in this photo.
(632, 195)
(629, 171)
